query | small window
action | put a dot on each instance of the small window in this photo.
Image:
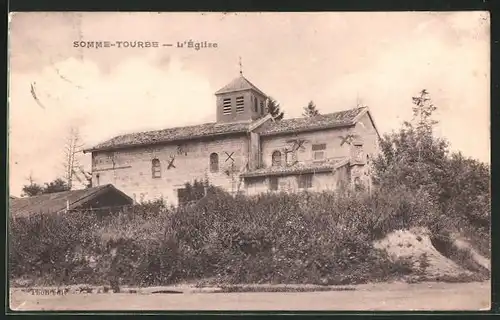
(319, 151)
(305, 181)
(256, 105)
(358, 153)
(226, 106)
(358, 186)
(155, 168)
(273, 183)
(276, 158)
(262, 107)
(214, 162)
(240, 104)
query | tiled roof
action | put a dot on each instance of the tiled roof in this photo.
(171, 134)
(330, 120)
(55, 202)
(299, 168)
(238, 84)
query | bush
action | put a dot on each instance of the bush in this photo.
(321, 238)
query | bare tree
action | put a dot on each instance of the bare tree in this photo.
(73, 170)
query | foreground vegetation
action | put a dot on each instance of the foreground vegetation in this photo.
(310, 238)
(324, 238)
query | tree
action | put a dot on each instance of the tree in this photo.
(31, 190)
(310, 110)
(72, 168)
(273, 108)
(413, 156)
(417, 161)
(58, 185)
(422, 112)
(34, 189)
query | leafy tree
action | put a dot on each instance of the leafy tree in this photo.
(32, 189)
(57, 185)
(273, 108)
(310, 110)
(413, 158)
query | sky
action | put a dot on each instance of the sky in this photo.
(334, 59)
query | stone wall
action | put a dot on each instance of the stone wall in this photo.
(130, 170)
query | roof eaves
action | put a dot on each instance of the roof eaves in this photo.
(98, 190)
(288, 172)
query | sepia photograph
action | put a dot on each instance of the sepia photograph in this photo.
(249, 161)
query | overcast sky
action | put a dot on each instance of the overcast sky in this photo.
(334, 59)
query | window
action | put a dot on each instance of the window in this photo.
(256, 105)
(358, 153)
(262, 107)
(226, 106)
(255, 181)
(358, 186)
(214, 162)
(276, 158)
(273, 183)
(305, 181)
(240, 104)
(318, 151)
(155, 168)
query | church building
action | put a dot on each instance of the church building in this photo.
(244, 151)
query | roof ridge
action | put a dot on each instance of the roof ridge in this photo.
(328, 114)
(253, 85)
(229, 87)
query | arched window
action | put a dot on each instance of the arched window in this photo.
(256, 105)
(276, 158)
(155, 168)
(214, 162)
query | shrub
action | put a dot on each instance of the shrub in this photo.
(321, 238)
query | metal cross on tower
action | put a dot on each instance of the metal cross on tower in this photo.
(241, 67)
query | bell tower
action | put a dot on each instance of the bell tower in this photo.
(239, 100)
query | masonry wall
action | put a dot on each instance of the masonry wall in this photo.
(322, 181)
(332, 138)
(365, 129)
(130, 170)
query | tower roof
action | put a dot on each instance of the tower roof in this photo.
(239, 84)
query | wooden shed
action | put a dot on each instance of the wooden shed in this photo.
(105, 196)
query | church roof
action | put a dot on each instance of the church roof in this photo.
(269, 128)
(324, 121)
(239, 84)
(172, 134)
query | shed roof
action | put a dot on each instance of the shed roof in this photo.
(55, 202)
